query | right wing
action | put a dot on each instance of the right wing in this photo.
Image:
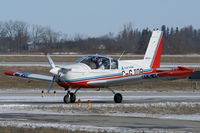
(29, 75)
(173, 74)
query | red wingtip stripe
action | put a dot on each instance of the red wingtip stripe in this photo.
(10, 73)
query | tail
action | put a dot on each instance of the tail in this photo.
(154, 50)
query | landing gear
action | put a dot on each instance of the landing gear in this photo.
(70, 97)
(66, 98)
(117, 96)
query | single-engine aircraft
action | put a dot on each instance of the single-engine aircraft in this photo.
(99, 71)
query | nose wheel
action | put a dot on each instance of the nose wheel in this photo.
(70, 97)
(66, 98)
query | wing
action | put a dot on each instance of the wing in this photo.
(161, 74)
(29, 75)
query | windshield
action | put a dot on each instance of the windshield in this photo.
(96, 62)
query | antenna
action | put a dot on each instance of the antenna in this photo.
(122, 54)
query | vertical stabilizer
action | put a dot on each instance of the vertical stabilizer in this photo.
(154, 50)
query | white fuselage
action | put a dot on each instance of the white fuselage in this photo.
(81, 72)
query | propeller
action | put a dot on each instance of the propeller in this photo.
(54, 71)
(51, 83)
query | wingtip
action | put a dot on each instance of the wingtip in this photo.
(10, 73)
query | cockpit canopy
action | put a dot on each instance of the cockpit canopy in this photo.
(99, 62)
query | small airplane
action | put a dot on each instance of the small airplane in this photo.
(99, 71)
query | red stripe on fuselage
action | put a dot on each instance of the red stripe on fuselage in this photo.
(83, 84)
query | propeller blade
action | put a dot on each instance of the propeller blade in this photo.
(50, 60)
(51, 83)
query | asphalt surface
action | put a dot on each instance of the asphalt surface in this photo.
(33, 97)
(108, 121)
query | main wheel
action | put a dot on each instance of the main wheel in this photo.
(118, 98)
(66, 98)
(72, 97)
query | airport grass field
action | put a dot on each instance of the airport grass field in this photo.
(74, 58)
(36, 130)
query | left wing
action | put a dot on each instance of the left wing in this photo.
(29, 75)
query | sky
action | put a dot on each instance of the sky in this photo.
(99, 17)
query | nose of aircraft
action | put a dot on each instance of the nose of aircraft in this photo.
(55, 71)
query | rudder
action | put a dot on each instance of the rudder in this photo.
(154, 50)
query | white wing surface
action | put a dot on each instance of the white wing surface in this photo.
(29, 75)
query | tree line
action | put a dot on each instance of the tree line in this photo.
(17, 36)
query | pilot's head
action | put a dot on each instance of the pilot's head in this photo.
(99, 60)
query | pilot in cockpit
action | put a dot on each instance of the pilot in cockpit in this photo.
(100, 64)
(95, 62)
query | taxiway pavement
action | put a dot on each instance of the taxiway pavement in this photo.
(27, 107)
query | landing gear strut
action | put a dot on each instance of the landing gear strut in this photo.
(117, 96)
(70, 97)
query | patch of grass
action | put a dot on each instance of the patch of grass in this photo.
(74, 58)
(178, 110)
(10, 129)
(168, 108)
(36, 59)
(11, 82)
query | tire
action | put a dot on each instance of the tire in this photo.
(118, 98)
(72, 97)
(66, 98)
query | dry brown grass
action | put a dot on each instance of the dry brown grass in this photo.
(10, 82)
(149, 108)
(72, 59)
(170, 59)
(10, 129)
(178, 110)
(36, 59)
(180, 59)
